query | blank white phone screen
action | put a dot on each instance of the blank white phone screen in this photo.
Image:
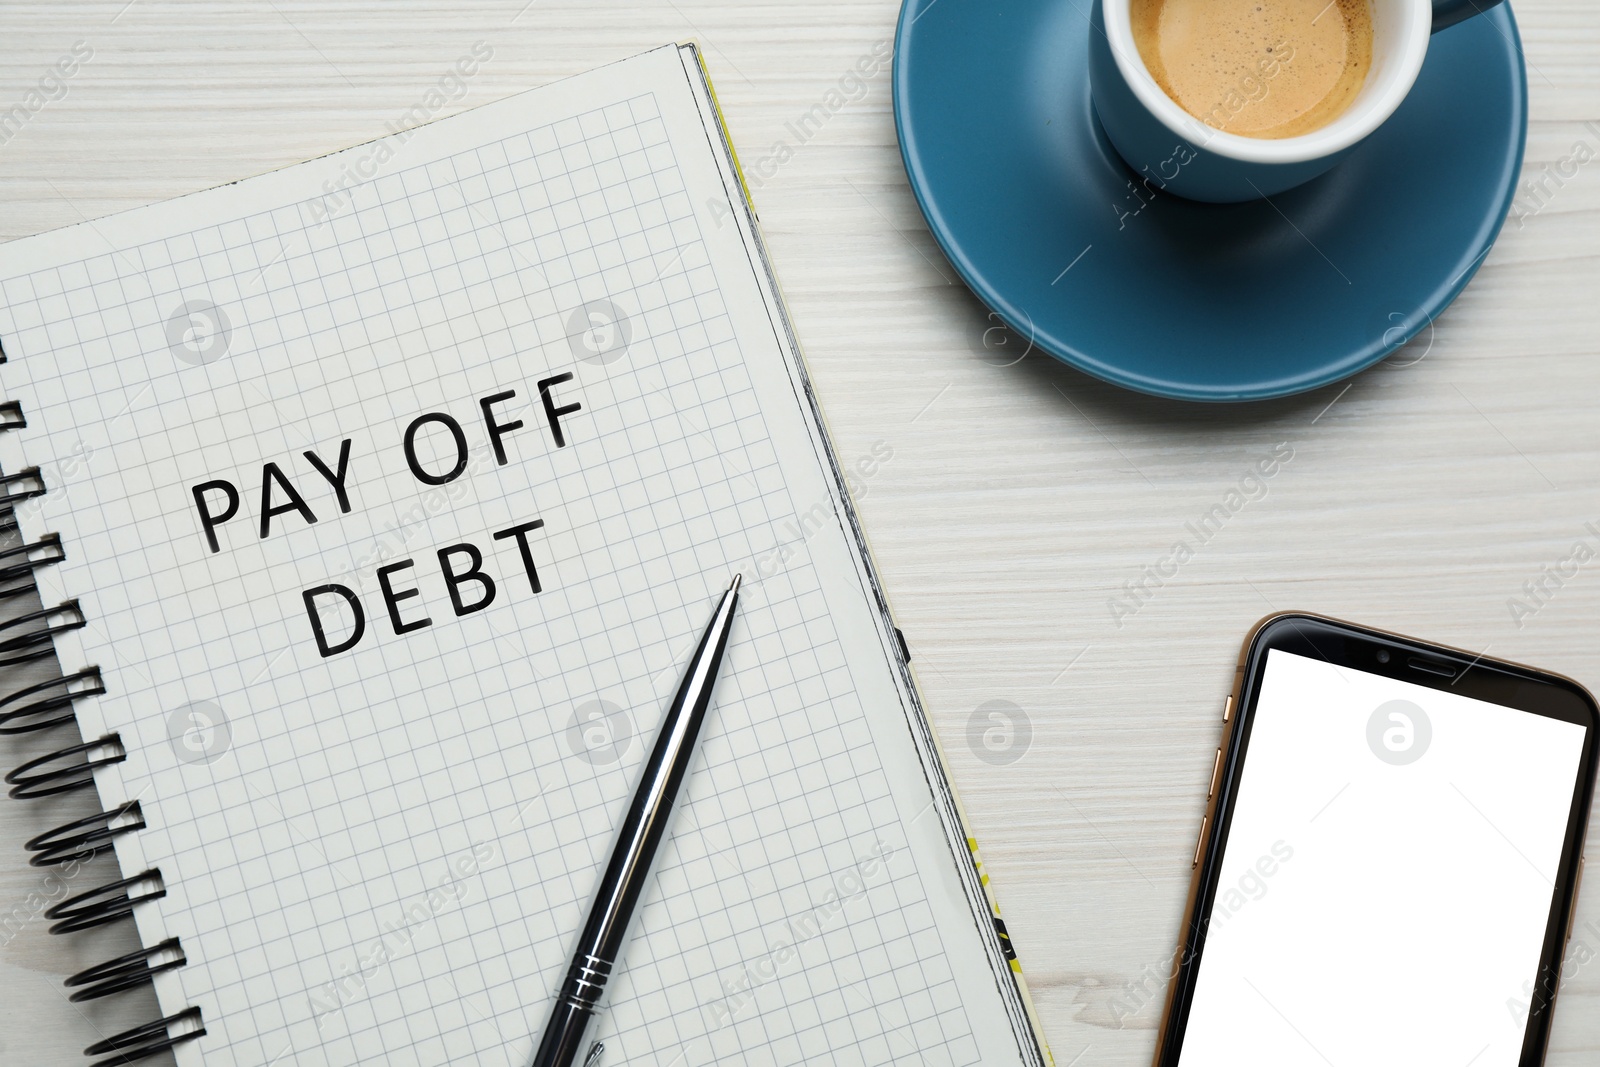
(1387, 880)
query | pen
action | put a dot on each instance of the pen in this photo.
(643, 829)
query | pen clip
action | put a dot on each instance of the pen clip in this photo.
(594, 1054)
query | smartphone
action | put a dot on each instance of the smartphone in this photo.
(1389, 859)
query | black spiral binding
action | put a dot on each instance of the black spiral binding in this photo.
(47, 705)
(83, 839)
(22, 561)
(36, 641)
(65, 771)
(127, 972)
(106, 904)
(149, 1039)
(22, 485)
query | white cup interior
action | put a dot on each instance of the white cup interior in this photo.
(1400, 31)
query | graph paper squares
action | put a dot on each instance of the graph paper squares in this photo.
(315, 867)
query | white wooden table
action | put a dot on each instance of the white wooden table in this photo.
(1019, 499)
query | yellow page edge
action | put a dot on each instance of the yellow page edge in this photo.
(961, 812)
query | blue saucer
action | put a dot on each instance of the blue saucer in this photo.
(1196, 301)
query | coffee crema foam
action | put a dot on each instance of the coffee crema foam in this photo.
(1257, 68)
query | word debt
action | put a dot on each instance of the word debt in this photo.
(339, 620)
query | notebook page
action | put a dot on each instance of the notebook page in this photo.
(380, 853)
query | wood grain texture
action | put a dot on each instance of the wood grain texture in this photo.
(1018, 499)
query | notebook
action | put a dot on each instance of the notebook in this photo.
(393, 490)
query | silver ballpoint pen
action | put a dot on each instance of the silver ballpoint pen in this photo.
(643, 830)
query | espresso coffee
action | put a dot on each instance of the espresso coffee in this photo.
(1257, 68)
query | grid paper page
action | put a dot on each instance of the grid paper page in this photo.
(381, 854)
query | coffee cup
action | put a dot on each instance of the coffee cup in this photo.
(1170, 148)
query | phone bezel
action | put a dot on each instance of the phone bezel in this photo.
(1357, 647)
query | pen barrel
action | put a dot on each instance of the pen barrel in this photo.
(564, 1036)
(586, 982)
(577, 1004)
(644, 827)
(647, 821)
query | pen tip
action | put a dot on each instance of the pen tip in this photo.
(737, 578)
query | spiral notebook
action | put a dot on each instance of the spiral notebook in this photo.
(375, 504)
